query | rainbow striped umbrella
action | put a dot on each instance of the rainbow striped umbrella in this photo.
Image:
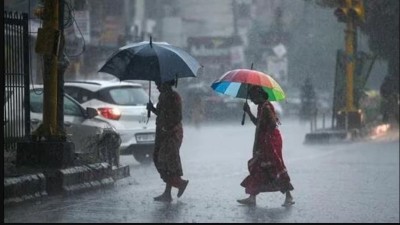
(235, 83)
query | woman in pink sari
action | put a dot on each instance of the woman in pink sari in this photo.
(267, 170)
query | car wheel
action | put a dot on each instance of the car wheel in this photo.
(143, 157)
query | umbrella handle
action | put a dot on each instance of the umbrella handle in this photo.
(247, 96)
(148, 111)
(244, 117)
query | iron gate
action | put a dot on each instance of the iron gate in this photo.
(16, 79)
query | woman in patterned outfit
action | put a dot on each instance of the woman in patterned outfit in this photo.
(267, 170)
(169, 134)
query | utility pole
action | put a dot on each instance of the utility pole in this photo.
(350, 60)
(235, 17)
(352, 13)
(48, 146)
(48, 43)
(62, 65)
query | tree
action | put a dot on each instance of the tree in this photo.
(381, 26)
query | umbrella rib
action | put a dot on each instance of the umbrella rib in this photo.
(188, 59)
(181, 56)
(160, 66)
(143, 48)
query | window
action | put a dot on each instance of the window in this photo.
(36, 101)
(79, 94)
(125, 96)
(70, 107)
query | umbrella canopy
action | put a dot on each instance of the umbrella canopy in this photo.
(153, 61)
(235, 83)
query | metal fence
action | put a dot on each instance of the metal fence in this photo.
(16, 115)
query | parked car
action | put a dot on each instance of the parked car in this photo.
(82, 125)
(123, 105)
(152, 88)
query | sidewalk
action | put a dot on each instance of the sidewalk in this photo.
(375, 131)
(27, 183)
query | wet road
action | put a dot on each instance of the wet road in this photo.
(356, 182)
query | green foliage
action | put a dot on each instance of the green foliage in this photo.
(381, 26)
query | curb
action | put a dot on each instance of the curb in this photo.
(79, 178)
(23, 188)
(329, 137)
(65, 181)
(118, 173)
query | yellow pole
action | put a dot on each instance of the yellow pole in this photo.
(50, 76)
(350, 60)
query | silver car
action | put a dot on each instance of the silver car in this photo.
(123, 105)
(83, 126)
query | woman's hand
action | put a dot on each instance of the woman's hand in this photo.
(150, 106)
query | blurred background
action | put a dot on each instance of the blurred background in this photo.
(290, 40)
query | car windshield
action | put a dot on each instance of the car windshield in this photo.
(36, 97)
(129, 96)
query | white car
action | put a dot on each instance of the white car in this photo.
(82, 125)
(123, 105)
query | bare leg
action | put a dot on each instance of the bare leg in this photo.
(288, 200)
(166, 196)
(251, 200)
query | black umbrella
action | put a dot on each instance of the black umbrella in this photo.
(152, 61)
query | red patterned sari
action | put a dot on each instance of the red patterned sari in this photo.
(267, 170)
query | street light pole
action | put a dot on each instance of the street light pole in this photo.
(350, 60)
(50, 43)
(48, 146)
(47, 44)
(352, 13)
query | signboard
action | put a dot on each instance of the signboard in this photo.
(217, 53)
(277, 64)
(278, 68)
(212, 45)
(112, 30)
